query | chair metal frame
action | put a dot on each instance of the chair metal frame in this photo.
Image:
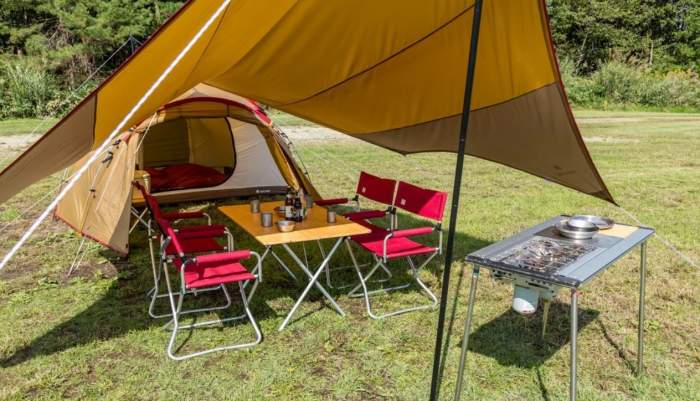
(389, 212)
(176, 307)
(404, 191)
(381, 262)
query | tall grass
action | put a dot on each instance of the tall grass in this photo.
(620, 85)
(26, 89)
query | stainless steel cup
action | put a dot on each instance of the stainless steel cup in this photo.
(255, 206)
(309, 201)
(266, 219)
(331, 216)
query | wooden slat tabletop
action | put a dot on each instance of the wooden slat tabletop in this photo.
(314, 227)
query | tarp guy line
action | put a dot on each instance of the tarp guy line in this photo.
(114, 133)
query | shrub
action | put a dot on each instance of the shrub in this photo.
(620, 84)
(26, 89)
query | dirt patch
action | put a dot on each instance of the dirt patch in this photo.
(605, 139)
(307, 133)
(17, 141)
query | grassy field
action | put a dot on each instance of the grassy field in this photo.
(88, 336)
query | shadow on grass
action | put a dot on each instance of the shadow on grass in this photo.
(515, 340)
(123, 308)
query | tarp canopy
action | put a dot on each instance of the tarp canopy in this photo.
(220, 130)
(389, 72)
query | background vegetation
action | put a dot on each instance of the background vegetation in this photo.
(614, 53)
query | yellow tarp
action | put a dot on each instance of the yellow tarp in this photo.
(390, 72)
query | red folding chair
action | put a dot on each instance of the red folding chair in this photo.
(205, 271)
(386, 245)
(377, 189)
(197, 239)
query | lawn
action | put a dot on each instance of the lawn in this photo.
(88, 336)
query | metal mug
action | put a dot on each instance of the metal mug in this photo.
(255, 206)
(266, 219)
(309, 201)
(331, 216)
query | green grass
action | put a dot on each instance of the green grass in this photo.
(88, 336)
(25, 126)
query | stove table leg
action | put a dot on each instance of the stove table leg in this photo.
(640, 325)
(574, 331)
(545, 316)
(467, 333)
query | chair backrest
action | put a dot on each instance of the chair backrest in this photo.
(423, 202)
(376, 188)
(168, 230)
(151, 202)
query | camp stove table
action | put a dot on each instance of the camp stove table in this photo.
(540, 258)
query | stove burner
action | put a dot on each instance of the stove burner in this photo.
(544, 255)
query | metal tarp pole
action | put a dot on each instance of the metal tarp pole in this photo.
(464, 127)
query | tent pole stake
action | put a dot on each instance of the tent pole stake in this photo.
(464, 127)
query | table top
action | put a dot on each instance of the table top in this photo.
(606, 247)
(314, 227)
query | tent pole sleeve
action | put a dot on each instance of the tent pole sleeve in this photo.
(464, 127)
(112, 136)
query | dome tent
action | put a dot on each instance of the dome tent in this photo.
(213, 143)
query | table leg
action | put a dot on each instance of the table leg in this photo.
(640, 326)
(313, 281)
(284, 266)
(467, 332)
(574, 331)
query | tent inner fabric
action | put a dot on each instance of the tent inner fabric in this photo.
(388, 72)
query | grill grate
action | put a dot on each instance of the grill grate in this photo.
(543, 255)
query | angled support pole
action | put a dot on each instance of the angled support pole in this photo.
(464, 127)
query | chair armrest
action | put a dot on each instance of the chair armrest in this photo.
(225, 257)
(215, 231)
(331, 202)
(183, 215)
(411, 232)
(218, 227)
(365, 214)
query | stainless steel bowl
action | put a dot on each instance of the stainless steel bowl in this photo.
(579, 229)
(285, 226)
(603, 223)
(576, 224)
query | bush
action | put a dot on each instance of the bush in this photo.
(26, 89)
(620, 84)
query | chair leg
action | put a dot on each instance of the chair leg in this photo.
(416, 278)
(176, 310)
(330, 269)
(378, 264)
(156, 295)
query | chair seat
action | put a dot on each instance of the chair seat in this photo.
(196, 245)
(199, 277)
(395, 247)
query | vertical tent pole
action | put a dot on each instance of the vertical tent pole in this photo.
(464, 127)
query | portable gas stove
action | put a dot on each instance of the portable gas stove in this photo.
(539, 262)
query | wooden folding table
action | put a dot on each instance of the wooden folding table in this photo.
(314, 227)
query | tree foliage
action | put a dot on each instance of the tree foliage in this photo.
(49, 47)
(661, 34)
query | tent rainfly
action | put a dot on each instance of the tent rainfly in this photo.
(392, 73)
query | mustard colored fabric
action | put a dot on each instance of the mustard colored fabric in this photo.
(371, 69)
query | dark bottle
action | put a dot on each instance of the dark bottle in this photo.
(297, 208)
(288, 206)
